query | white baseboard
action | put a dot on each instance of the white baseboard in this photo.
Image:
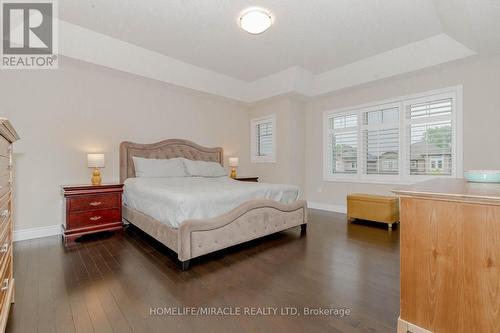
(31, 233)
(327, 207)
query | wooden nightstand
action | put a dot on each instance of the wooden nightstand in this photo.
(90, 209)
(247, 179)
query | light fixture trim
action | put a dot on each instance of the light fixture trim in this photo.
(255, 20)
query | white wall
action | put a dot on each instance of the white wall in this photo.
(62, 114)
(481, 113)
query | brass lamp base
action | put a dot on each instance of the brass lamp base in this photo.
(96, 177)
(233, 173)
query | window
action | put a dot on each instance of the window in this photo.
(430, 127)
(390, 165)
(403, 140)
(381, 140)
(263, 142)
(436, 163)
(343, 144)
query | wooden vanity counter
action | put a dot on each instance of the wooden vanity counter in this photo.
(450, 257)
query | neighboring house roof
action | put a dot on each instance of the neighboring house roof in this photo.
(347, 152)
(389, 155)
(421, 149)
(418, 151)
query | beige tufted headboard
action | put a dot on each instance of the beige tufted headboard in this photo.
(165, 149)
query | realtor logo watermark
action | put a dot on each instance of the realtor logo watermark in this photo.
(29, 34)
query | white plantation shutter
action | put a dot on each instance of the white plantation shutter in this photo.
(264, 138)
(381, 141)
(344, 152)
(405, 140)
(430, 137)
(343, 144)
(263, 141)
(429, 109)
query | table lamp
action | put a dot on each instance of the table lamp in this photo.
(233, 163)
(95, 161)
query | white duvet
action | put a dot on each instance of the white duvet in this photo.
(174, 200)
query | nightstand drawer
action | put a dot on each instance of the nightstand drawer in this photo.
(94, 202)
(96, 217)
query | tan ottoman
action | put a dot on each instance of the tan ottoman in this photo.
(378, 208)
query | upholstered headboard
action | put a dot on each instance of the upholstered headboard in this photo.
(165, 149)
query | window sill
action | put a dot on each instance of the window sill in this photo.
(368, 181)
(380, 181)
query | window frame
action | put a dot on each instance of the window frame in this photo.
(328, 131)
(254, 157)
(383, 106)
(404, 176)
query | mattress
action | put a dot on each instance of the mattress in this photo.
(177, 199)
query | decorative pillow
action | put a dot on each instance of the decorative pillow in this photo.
(159, 168)
(204, 169)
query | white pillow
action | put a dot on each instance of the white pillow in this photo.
(204, 169)
(159, 168)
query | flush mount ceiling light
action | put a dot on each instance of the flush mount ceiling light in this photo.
(255, 20)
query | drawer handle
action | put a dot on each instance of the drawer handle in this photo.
(95, 218)
(95, 203)
(4, 248)
(4, 213)
(5, 285)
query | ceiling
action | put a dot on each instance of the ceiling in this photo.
(317, 36)
(474, 23)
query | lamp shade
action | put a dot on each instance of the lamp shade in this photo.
(234, 161)
(95, 160)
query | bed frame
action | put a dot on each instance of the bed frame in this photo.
(194, 238)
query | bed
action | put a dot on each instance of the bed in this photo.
(193, 234)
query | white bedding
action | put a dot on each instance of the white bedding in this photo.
(174, 200)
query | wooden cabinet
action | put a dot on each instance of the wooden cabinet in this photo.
(450, 257)
(7, 136)
(90, 209)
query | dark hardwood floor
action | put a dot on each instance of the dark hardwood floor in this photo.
(110, 283)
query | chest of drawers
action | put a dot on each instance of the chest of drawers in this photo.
(89, 209)
(7, 136)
